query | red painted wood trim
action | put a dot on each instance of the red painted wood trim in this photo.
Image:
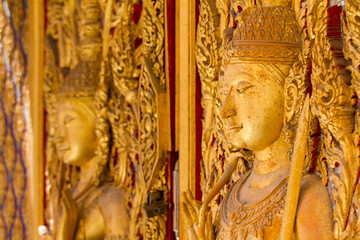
(173, 156)
(198, 121)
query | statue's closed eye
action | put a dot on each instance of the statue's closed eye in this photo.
(68, 119)
(242, 86)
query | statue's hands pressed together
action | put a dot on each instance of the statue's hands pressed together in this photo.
(67, 216)
(191, 210)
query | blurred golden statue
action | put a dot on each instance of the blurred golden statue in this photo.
(84, 201)
(93, 208)
(262, 101)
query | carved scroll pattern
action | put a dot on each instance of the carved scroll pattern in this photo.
(352, 40)
(213, 19)
(153, 37)
(152, 83)
(333, 104)
(152, 91)
(148, 126)
(135, 109)
(15, 125)
(125, 59)
(352, 52)
(223, 7)
(208, 61)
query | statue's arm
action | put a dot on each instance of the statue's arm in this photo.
(113, 207)
(314, 219)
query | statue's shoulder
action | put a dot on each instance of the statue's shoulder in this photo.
(312, 193)
(111, 195)
(311, 186)
(314, 218)
(113, 207)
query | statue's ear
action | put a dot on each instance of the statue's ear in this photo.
(291, 96)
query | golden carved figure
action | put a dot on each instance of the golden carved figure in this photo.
(129, 150)
(84, 200)
(88, 210)
(262, 89)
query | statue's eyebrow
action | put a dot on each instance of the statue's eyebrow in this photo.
(243, 83)
(67, 110)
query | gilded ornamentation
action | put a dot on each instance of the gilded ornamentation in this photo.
(243, 220)
(208, 62)
(139, 80)
(153, 119)
(125, 59)
(351, 52)
(148, 126)
(334, 106)
(301, 50)
(224, 10)
(154, 37)
(130, 37)
(351, 37)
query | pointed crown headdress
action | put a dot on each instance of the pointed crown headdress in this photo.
(266, 32)
(83, 79)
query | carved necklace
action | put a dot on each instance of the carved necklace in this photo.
(241, 221)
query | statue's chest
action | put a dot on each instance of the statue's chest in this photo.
(90, 224)
(262, 220)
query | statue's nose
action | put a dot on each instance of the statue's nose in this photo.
(59, 135)
(227, 109)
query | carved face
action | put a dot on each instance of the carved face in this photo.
(253, 105)
(75, 136)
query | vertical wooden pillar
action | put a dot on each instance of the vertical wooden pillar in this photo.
(36, 64)
(186, 85)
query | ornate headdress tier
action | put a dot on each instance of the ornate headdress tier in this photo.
(266, 34)
(90, 39)
(82, 81)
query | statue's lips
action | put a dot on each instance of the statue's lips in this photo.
(233, 130)
(63, 149)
